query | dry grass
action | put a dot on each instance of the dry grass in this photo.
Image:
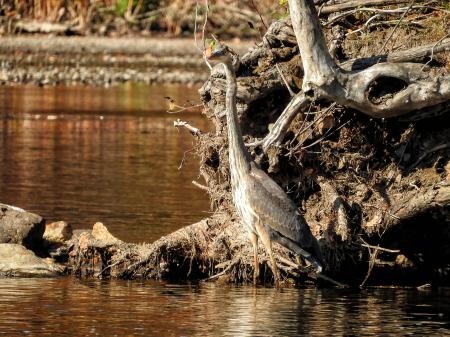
(225, 17)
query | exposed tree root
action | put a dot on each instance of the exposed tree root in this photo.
(374, 191)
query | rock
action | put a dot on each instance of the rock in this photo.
(83, 240)
(101, 233)
(21, 227)
(58, 232)
(16, 260)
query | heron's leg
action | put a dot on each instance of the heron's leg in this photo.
(265, 238)
(254, 240)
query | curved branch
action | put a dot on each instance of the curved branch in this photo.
(420, 90)
(279, 129)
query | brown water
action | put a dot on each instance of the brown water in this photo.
(68, 307)
(93, 154)
(84, 154)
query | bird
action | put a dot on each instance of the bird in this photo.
(262, 205)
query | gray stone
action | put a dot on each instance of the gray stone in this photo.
(21, 227)
(16, 260)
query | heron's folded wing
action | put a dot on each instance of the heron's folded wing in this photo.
(275, 209)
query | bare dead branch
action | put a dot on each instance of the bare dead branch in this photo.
(424, 155)
(200, 186)
(193, 130)
(397, 25)
(358, 3)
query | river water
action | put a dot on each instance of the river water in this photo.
(85, 154)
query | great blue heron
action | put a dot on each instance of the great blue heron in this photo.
(263, 206)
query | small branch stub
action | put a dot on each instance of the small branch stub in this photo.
(193, 130)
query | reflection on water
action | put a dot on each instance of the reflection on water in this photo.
(117, 308)
(84, 154)
(89, 154)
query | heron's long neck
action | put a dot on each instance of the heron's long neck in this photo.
(238, 155)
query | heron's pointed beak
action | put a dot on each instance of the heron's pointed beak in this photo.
(208, 52)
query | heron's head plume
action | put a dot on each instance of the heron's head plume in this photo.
(218, 52)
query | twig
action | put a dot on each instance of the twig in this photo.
(319, 117)
(381, 248)
(325, 136)
(432, 49)
(434, 149)
(391, 176)
(329, 279)
(193, 130)
(200, 186)
(106, 268)
(184, 159)
(288, 270)
(410, 55)
(287, 262)
(403, 10)
(182, 108)
(395, 28)
(285, 81)
(373, 257)
(232, 264)
(373, 252)
(203, 32)
(320, 276)
(365, 25)
(259, 13)
(204, 24)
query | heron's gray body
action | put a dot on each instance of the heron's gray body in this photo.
(261, 203)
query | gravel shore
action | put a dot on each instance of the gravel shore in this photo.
(47, 60)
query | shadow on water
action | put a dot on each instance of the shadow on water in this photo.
(87, 154)
(118, 308)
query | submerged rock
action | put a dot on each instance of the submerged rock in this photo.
(16, 260)
(21, 227)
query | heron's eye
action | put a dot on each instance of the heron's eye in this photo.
(218, 52)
